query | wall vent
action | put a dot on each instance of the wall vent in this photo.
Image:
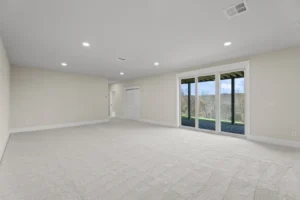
(236, 10)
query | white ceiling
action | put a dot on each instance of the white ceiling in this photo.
(176, 33)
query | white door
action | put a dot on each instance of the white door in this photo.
(132, 103)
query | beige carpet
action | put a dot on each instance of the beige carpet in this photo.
(129, 160)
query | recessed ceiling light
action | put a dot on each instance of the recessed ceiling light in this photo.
(85, 44)
(64, 64)
(227, 44)
(121, 73)
(156, 64)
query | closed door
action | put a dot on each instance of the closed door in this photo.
(132, 104)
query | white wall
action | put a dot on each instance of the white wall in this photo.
(158, 98)
(275, 94)
(4, 99)
(40, 97)
(274, 90)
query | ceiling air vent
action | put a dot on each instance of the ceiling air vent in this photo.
(236, 10)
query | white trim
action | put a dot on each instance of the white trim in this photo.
(157, 123)
(239, 66)
(131, 88)
(213, 70)
(111, 113)
(2, 151)
(149, 122)
(178, 103)
(179, 119)
(218, 103)
(247, 99)
(197, 102)
(55, 126)
(274, 141)
(120, 117)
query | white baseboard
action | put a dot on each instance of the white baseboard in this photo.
(158, 123)
(150, 122)
(2, 151)
(275, 141)
(55, 126)
(120, 117)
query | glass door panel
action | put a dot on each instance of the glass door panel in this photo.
(188, 99)
(232, 102)
(206, 102)
(239, 104)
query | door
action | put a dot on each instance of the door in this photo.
(214, 102)
(132, 103)
(187, 96)
(206, 102)
(232, 100)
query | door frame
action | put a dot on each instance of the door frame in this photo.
(111, 113)
(217, 71)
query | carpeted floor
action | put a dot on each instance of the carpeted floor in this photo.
(128, 160)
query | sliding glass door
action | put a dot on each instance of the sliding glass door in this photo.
(232, 98)
(206, 102)
(215, 100)
(188, 99)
